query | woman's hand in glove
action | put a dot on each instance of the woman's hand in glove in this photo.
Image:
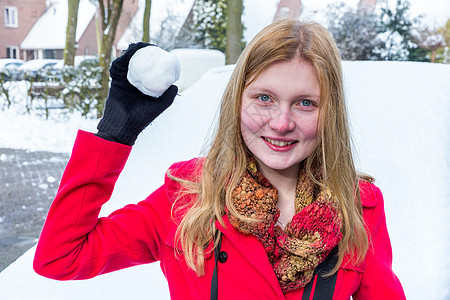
(128, 110)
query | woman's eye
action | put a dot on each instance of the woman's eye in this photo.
(306, 103)
(264, 98)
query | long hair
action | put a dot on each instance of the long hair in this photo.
(226, 160)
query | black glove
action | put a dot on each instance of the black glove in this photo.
(127, 110)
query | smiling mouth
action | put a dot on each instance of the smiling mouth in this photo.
(279, 143)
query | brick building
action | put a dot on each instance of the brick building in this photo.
(16, 20)
(288, 9)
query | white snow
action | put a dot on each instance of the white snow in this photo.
(49, 32)
(152, 70)
(31, 132)
(36, 64)
(196, 62)
(399, 115)
(256, 16)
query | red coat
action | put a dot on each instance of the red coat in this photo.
(76, 244)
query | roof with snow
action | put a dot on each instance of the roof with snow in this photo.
(49, 32)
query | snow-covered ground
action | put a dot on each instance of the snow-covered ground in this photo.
(400, 121)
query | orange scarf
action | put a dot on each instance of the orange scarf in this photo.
(305, 241)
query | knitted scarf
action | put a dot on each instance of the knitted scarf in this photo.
(307, 239)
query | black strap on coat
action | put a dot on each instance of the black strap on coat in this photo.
(324, 289)
(324, 285)
(214, 280)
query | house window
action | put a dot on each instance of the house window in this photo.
(59, 54)
(11, 19)
(53, 53)
(49, 54)
(12, 52)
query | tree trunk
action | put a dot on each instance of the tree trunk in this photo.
(234, 31)
(110, 19)
(433, 55)
(71, 31)
(146, 21)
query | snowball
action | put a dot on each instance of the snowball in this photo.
(153, 70)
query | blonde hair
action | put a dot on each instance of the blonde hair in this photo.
(226, 160)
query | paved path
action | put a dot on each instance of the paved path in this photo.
(28, 184)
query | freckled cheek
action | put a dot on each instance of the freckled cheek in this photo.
(251, 125)
(252, 118)
(308, 128)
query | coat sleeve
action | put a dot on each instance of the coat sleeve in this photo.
(378, 280)
(75, 243)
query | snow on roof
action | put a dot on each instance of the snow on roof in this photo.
(256, 16)
(49, 32)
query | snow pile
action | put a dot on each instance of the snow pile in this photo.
(196, 62)
(400, 121)
(399, 117)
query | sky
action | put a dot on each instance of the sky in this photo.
(399, 121)
(434, 9)
(256, 16)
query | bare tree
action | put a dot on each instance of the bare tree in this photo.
(234, 31)
(70, 49)
(356, 31)
(110, 11)
(431, 39)
(146, 21)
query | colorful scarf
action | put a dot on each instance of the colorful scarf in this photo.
(305, 241)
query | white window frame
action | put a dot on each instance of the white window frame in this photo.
(12, 51)
(11, 16)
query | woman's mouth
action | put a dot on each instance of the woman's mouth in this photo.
(278, 145)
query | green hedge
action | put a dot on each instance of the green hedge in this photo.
(65, 90)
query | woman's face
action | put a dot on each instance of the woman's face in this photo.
(279, 115)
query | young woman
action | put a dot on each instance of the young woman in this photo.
(275, 210)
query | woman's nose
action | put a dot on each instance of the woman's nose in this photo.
(281, 120)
